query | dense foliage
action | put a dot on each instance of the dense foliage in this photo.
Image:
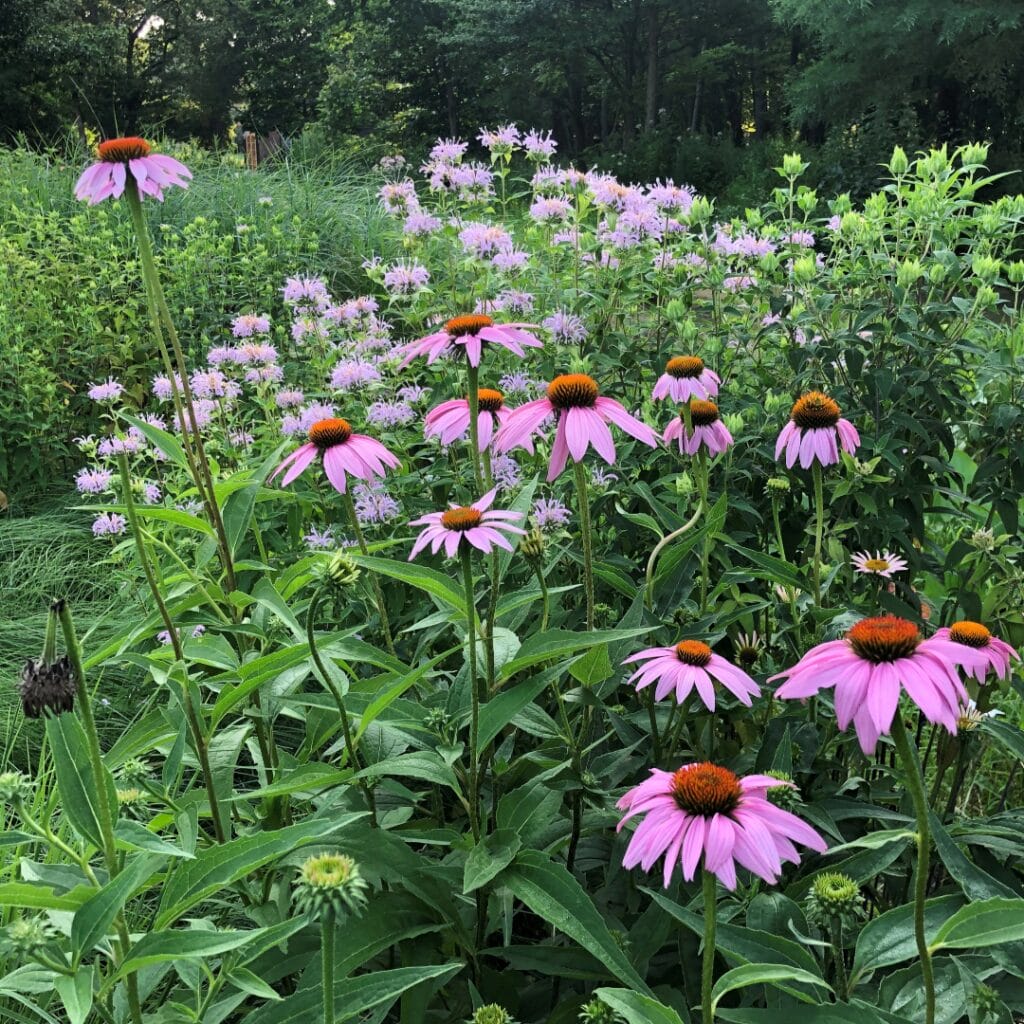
(647, 86)
(365, 780)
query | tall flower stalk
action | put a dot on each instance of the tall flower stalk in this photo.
(583, 501)
(914, 779)
(474, 689)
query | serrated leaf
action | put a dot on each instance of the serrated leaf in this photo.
(490, 856)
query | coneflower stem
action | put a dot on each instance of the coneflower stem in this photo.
(790, 592)
(842, 983)
(915, 787)
(159, 311)
(385, 623)
(538, 570)
(819, 527)
(709, 886)
(195, 726)
(327, 929)
(105, 813)
(474, 689)
(588, 542)
(339, 700)
(661, 545)
(473, 378)
(705, 547)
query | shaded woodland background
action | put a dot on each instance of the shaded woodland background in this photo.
(708, 91)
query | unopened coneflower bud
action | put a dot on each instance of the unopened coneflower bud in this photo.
(532, 545)
(15, 789)
(596, 1012)
(748, 648)
(777, 485)
(330, 882)
(492, 1013)
(48, 683)
(342, 571)
(134, 771)
(786, 796)
(834, 895)
(26, 935)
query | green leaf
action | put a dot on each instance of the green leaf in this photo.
(219, 866)
(267, 596)
(746, 944)
(498, 712)
(593, 668)
(93, 918)
(352, 996)
(72, 764)
(76, 994)
(182, 944)
(42, 897)
(976, 884)
(161, 440)
(490, 856)
(637, 1008)
(246, 981)
(987, 923)
(419, 764)
(765, 974)
(561, 643)
(421, 577)
(768, 567)
(551, 892)
(136, 836)
(889, 939)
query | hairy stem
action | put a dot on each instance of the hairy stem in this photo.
(915, 786)
(474, 686)
(708, 885)
(588, 541)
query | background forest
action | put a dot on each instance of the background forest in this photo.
(706, 90)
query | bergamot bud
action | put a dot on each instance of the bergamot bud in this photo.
(15, 789)
(834, 895)
(134, 771)
(131, 796)
(330, 882)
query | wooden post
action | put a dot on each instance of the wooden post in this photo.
(251, 158)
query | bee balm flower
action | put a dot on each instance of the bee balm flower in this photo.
(871, 663)
(583, 418)
(814, 432)
(343, 452)
(127, 160)
(705, 810)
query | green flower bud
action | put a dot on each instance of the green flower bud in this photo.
(688, 330)
(898, 162)
(987, 296)
(596, 1012)
(908, 273)
(15, 789)
(26, 935)
(984, 540)
(134, 771)
(330, 882)
(491, 1014)
(842, 204)
(807, 201)
(748, 648)
(986, 268)
(1015, 272)
(684, 485)
(131, 796)
(805, 268)
(786, 796)
(769, 263)
(701, 210)
(792, 166)
(973, 154)
(851, 225)
(734, 423)
(532, 545)
(876, 205)
(834, 895)
(342, 571)
(675, 309)
(936, 273)
(777, 485)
